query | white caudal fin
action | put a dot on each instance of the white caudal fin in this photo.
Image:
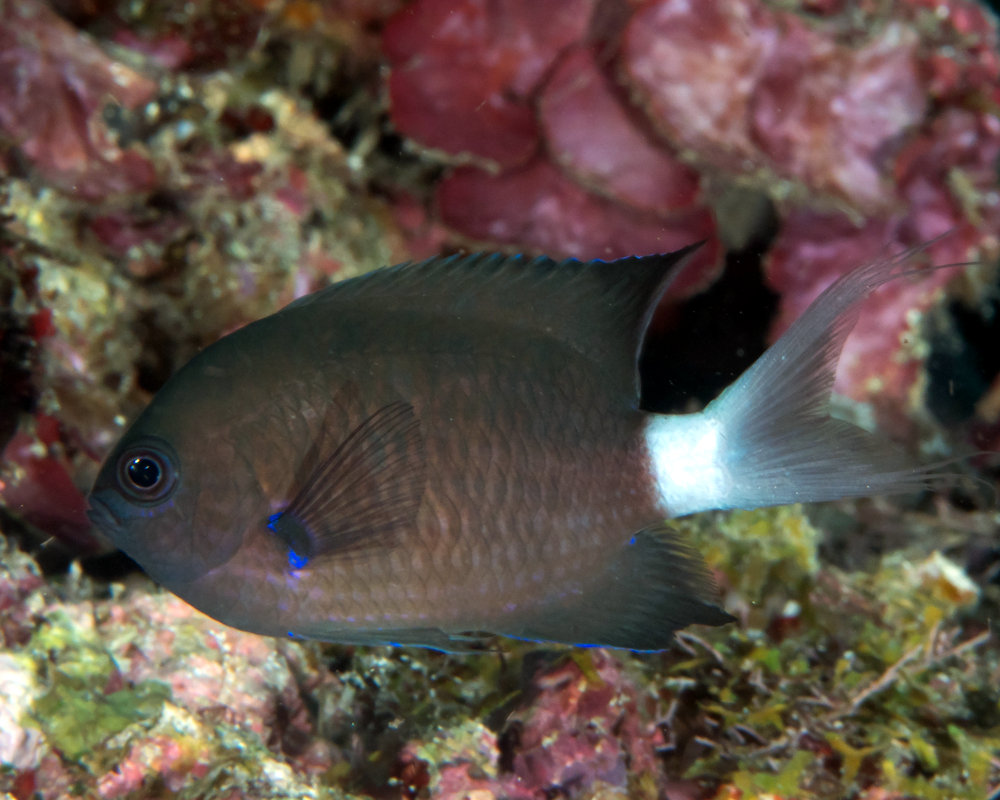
(769, 439)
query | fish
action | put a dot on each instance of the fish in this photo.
(437, 453)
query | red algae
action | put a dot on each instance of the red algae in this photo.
(786, 98)
(615, 158)
(54, 85)
(833, 127)
(578, 732)
(881, 361)
(560, 163)
(700, 95)
(197, 36)
(109, 282)
(539, 207)
(946, 177)
(35, 484)
(481, 73)
(583, 728)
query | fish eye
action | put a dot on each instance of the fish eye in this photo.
(146, 474)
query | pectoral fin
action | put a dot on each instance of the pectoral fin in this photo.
(364, 494)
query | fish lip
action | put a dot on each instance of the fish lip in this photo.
(101, 515)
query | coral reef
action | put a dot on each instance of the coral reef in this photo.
(868, 129)
(872, 680)
(252, 205)
(173, 171)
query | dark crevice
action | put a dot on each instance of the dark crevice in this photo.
(964, 361)
(694, 351)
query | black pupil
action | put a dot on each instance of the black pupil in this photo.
(143, 472)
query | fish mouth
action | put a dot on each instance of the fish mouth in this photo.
(101, 515)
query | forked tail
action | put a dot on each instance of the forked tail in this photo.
(769, 439)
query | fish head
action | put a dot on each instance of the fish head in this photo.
(176, 494)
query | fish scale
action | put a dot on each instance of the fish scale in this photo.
(525, 539)
(477, 568)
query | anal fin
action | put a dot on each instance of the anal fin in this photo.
(431, 638)
(654, 586)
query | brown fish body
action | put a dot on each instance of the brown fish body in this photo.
(456, 446)
(518, 502)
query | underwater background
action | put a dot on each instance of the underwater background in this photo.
(172, 171)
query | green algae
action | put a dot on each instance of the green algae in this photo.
(79, 709)
(76, 718)
(875, 680)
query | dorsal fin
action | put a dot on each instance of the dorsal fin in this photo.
(599, 308)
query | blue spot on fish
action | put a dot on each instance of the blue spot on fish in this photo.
(272, 519)
(295, 560)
